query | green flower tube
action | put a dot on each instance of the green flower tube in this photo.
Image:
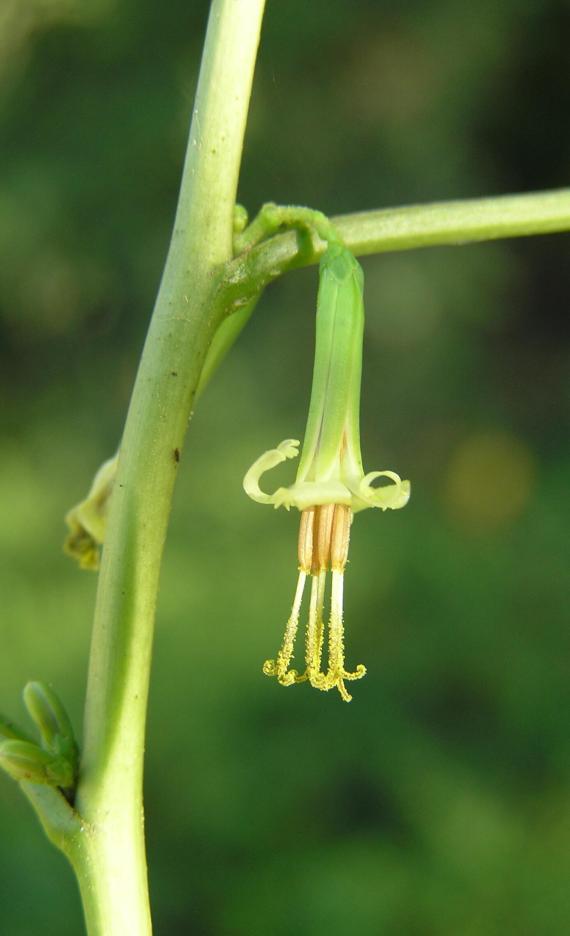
(331, 484)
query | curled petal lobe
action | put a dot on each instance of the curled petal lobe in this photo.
(270, 459)
(391, 497)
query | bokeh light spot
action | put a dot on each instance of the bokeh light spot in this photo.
(489, 480)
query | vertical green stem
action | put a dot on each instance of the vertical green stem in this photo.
(110, 859)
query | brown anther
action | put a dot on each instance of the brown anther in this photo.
(322, 538)
(305, 547)
(324, 534)
(340, 537)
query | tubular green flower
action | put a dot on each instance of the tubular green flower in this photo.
(331, 484)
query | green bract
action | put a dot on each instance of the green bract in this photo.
(330, 470)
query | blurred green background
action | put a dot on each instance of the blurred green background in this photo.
(437, 803)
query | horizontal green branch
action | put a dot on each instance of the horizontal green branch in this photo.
(390, 229)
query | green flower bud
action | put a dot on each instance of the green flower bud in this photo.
(25, 761)
(48, 713)
(54, 725)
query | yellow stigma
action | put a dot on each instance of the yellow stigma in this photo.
(323, 546)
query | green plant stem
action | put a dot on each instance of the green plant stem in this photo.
(270, 219)
(265, 255)
(390, 229)
(456, 223)
(59, 820)
(110, 859)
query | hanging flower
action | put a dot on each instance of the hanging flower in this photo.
(331, 485)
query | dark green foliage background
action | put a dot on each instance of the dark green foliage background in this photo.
(437, 803)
